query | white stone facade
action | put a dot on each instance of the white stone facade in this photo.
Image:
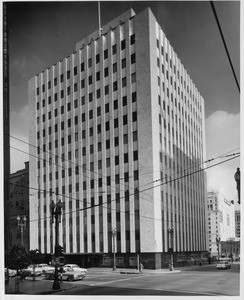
(114, 125)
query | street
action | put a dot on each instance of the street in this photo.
(195, 281)
(206, 281)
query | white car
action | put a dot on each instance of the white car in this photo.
(11, 273)
(44, 267)
(74, 267)
(29, 271)
(223, 265)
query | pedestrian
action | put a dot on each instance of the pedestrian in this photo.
(200, 263)
(141, 267)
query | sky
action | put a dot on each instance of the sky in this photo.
(41, 34)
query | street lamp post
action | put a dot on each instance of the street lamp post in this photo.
(56, 213)
(21, 226)
(114, 233)
(237, 177)
(171, 247)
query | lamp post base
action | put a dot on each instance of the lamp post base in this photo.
(114, 268)
(56, 284)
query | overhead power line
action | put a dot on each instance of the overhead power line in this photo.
(226, 49)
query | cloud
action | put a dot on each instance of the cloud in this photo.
(19, 138)
(223, 137)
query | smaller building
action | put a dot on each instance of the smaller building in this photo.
(19, 207)
(231, 249)
(221, 221)
(238, 223)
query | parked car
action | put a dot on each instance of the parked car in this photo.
(11, 273)
(223, 265)
(29, 271)
(69, 274)
(74, 267)
(44, 267)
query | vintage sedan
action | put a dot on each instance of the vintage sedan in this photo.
(44, 267)
(31, 271)
(69, 274)
(223, 265)
(74, 267)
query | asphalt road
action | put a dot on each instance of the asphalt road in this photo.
(205, 281)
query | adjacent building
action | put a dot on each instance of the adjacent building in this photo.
(221, 221)
(19, 207)
(115, 130)
(237, 224)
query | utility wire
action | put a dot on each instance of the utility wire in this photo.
(226, 49)
(95, 205)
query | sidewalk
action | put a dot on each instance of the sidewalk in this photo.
(40, 286)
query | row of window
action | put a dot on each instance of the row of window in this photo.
(99, 109)
(90, 95)
(174, 70)
(91, 130)
(82, 66)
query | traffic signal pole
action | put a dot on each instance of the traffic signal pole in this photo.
(56, 213)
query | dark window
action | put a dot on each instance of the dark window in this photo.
(134, 97)
(107, 144)
(49, 84)
(43, 88)
(107, 125)
(115, 104)
(132, 39)
(98, 111)
(123, 45)
(134, 116)
(75, 71)
(82, 83)
(90, 97)
(115, 86)
(68, 74)
(106, 107)
(75, 87)
(98, 93)
(126, 158)
(133, 58)
(37, 91)
(114, 49)
(62, 78)
(98, 76)
(106, 54)
(106, 72)
(116, 141)
(135, 155)
(68, 90)
(125, 120)
(90, 114)
(116, 123)
(124, 100)
(116, 159)
(97, 58)
(82, 67)
(114, 67)
(124, 82)
(83, 117)
(123, 63)
(90, 79)
(62, 94)
(106, 90)
(89, 63)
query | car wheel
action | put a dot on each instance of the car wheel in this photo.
(70, 278)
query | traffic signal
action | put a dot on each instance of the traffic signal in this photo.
(170, 250)
(59, 250)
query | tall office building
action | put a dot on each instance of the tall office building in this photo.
(221, 220)
(114, 125)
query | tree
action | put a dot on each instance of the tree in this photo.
(17, 258)
(35, 257)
